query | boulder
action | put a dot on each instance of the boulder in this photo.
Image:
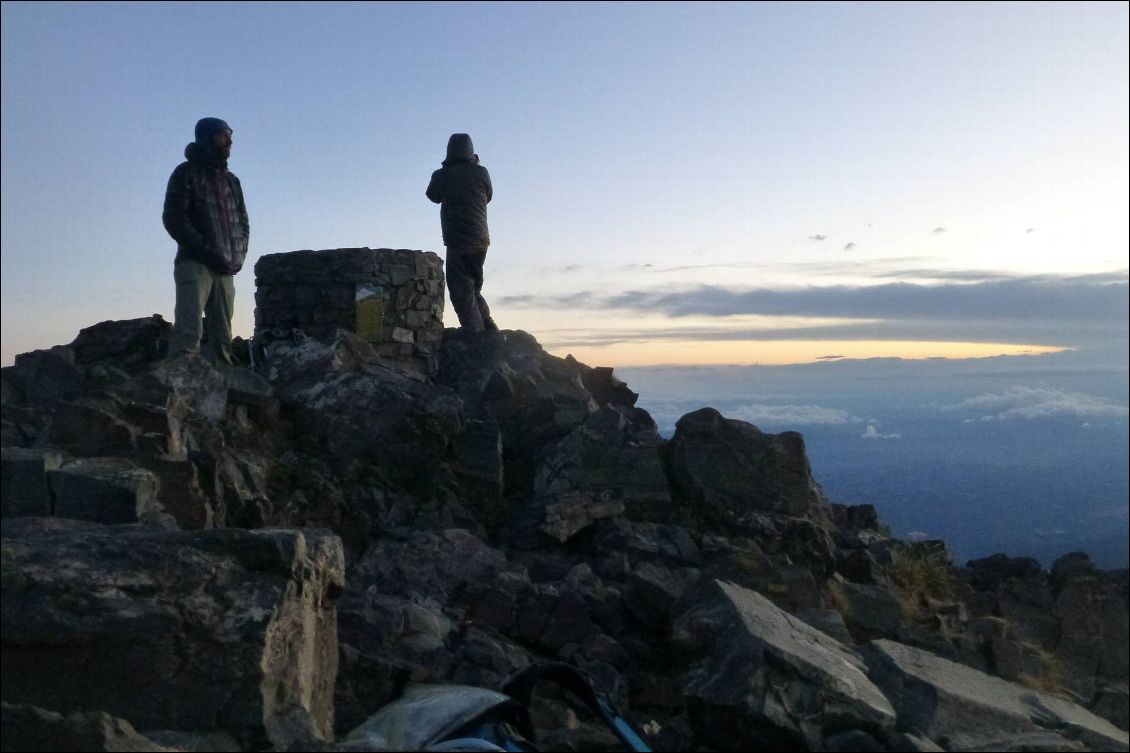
(615, 456)
(24, 489)
(107, 490)
(762, 679)
(224, 630)
(963, 709)
(30, 728)
(351, 406)
(730, 468)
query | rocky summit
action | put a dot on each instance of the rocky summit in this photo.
(261, 559)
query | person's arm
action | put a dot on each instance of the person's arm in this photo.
(243, 220)
(433, 191)
(176, 214)
(489, 187)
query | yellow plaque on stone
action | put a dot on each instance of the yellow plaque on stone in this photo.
(369, 312)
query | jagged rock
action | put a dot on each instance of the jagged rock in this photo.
(25, 490)
(203, 389)
(347, 402)
(400, 611)
(592, 550)
(30, 728)
(730, 468)
(480, 451)
(248, 389)
(107, 490)
(963, 709)
(1071, 623)
(217, 630)
(829, 622)
(45, 377)
(760, 677)
(613, 457)
(871, 611)
(130, 343)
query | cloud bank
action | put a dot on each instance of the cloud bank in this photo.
(1038, 402)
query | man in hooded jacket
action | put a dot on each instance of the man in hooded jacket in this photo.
(205, 214)
(462, 188)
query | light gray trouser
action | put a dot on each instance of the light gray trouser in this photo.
(200, 291)
(464, 270)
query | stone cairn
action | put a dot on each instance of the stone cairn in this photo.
(391, 298)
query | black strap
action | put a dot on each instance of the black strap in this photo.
(581, 684)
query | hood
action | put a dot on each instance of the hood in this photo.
(460, 149)
(196, 153)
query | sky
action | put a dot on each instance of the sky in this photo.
(674, 183)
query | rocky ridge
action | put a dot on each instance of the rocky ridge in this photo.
(261, 559)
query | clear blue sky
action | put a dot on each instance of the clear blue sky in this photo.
(793, 148)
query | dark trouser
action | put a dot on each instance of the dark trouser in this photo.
(200, 291)
(464, 285)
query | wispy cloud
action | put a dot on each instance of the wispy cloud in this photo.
(1037, 402)
(872, 432)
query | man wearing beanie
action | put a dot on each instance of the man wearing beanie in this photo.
(462, 189)
(206, 216)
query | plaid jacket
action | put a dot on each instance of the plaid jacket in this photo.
(205, 213)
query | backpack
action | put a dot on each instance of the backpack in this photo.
(461, 717)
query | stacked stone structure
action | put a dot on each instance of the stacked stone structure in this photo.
(391, 298)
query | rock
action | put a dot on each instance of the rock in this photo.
(729, 468)
(614, 457)
(758, 674)
(224, 630)
(107, 490)
(25, 490)
(131, 344)
(871, 611)
(47, 377)
(852, 740)
(203, 389)
(829, 622)
(907, 743)
(30, 728)
(963, 709)
(605, 388)
(347, 402)
(252, 391)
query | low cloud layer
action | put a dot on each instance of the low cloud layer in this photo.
(791, 415)
(1035, 403)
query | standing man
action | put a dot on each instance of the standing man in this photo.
(206, 216)
(462, 189)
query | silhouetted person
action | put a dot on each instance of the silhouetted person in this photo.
(462, 189)
(206, 216)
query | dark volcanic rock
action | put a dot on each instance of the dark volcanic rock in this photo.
(30, 728)
(220, 630)
(510, 508)
(761, 678)
(25, 490)
(964, 709)
(730, 469)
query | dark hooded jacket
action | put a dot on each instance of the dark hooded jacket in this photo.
(462, 189)
(205, 213)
